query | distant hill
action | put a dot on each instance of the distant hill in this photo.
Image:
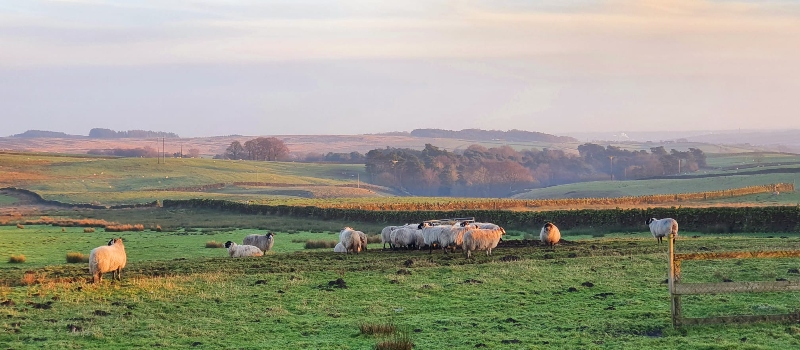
(100, 133)
(492, 135)
(44, 134)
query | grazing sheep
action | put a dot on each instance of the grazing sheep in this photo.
(263, 242)
(550, 235)
(108, 258)
(351, 240)
(339, 248)
(432, 234)
(482, 225)
(481, 239)
(386, 236)
(404, 237)
(662, 228)
(363, 238)
(237, 251)
(454, 237)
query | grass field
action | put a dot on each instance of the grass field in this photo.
(7, 200)
(660, 186)
(592, 293)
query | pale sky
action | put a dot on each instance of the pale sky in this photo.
(259, 67)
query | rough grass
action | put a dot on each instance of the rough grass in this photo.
(16, 259)
(318, 244)
(214, 244)
(77, 257)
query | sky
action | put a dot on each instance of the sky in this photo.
(306, 67)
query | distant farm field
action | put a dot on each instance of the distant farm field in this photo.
(589, 293)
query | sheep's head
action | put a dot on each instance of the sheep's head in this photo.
(270, 235)
(464, 224)
(650, 220)
(502, 231)
(110, 242)
(228, 244)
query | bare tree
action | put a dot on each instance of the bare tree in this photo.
(234, 151)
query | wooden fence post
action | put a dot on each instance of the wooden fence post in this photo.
(674, 277)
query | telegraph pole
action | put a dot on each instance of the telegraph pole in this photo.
(611, 167)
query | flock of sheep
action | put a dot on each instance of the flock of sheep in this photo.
(467, 234)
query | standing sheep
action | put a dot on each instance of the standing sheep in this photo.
(386, 236)
(237, 251)
(481, 239)
(662, 228)
(108, 258)
(351, 240)
(263, 242)
(550, 235)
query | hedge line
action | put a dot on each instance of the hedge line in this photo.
(715, 219)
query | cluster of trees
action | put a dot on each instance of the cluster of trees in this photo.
(488, 135)
(100, 133)
(262, 148)
(501, 171)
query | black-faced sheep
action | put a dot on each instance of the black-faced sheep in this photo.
(263, 242)
(108, 258)
(481, 239)
(662, 228)
(550, 235)
(237, 251)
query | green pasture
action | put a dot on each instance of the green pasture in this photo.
(591, 293)
(723, 160)
(659, 186)
(7, 200)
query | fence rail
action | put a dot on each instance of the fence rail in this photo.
(677, 289)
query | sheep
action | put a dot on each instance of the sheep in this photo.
(386, 236)
(663, 227)
(431, 234)
(351, 240)
(263, 242)
(108, 258)
(237, 251)
(482, 225)
(454, 237)
(339, 248)
(481, 239)
(404, 237)
(363, 238)
(550, 235)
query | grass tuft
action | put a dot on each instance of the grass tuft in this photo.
(123, 228)
(88, 230)
(316, 244)
(16, 259)
(77, 257)
(377, 329)
(399, 341)
(19, 226)
(214, 244)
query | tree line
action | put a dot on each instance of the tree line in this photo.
(261, 148)
(502, 171)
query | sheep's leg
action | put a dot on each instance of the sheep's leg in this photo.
(97, 277)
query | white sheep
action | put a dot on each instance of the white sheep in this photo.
(339, 248)
(662, 228)
(108, 258)
(263, 242)
(454, 236)
(550, 235)
(404, 237)
(351, 240)
(386, 236)
(363, 238)
(481, 239)
(431, 234)
(237, 251)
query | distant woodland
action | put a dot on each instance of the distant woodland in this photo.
(502, 171)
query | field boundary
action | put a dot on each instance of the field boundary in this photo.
(678, 289)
